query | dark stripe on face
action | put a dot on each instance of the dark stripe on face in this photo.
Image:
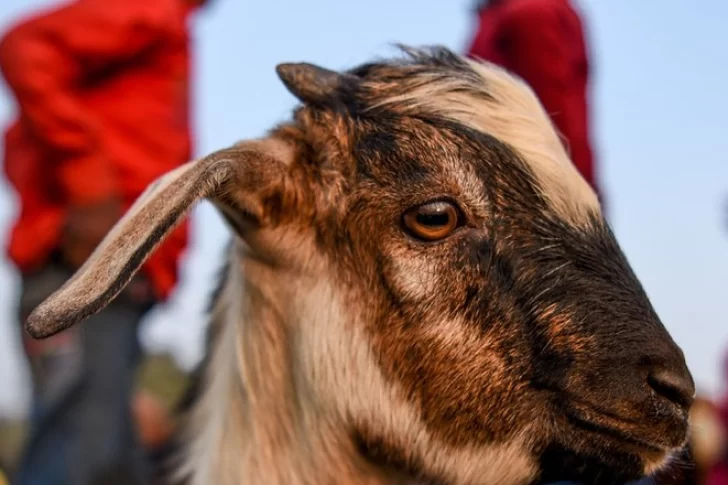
(379, 156)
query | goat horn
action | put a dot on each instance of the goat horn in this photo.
(311, 83)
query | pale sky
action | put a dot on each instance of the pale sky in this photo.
(660, 130)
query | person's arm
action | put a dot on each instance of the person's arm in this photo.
(46, 59)
(477, 45)
(536, 43)
(537, 39)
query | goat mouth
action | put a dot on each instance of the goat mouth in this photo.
(620, 437)
(647, 435)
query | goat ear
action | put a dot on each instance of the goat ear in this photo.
(311, 83)
(221, 177)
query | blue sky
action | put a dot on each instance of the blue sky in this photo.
(660, 122)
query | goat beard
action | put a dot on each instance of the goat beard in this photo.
(559, 463)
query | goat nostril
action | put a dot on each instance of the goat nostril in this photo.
(678, 387)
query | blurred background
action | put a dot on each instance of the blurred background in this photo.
(659, 114)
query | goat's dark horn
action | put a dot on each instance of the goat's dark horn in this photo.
(311, 83)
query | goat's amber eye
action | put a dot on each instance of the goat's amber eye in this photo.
(432, 221)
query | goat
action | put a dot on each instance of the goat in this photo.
(421, 289)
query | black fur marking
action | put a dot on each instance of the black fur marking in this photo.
(560, 464)
(383, 147)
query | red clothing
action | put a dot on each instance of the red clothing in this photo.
(102, 92)
(542, 42)
(718, 475)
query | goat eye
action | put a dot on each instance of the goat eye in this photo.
(432, 221)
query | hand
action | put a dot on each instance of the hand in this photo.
(85, 228)
(140, 290)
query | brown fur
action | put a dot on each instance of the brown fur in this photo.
(346, 350)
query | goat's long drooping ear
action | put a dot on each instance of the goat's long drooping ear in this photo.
(228, 178)
(311, 83)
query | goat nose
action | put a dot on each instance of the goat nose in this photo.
(675, 385)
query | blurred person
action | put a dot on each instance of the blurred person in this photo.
(102, 90)
(542, 41)
(718, 472)
(707, 440)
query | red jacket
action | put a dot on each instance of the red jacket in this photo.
(542, 41)
(102, 94)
